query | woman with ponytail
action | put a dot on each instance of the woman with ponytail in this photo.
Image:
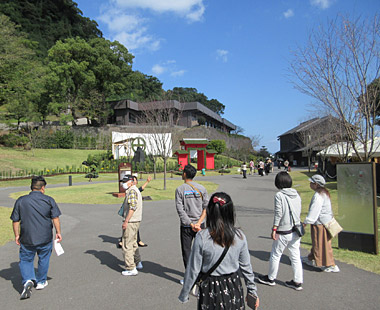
(223, 288)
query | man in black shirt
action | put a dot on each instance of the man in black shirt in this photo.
(33, 217)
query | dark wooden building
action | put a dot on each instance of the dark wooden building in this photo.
(300, 144)
(186, 114)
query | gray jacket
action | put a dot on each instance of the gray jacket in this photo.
(205, 253)
(190, 203)
(283, 200)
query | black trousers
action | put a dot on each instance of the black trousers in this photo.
(187, 235)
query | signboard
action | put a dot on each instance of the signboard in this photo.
(357, 207)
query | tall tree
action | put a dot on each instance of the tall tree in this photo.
(49, 21)
(21, 73)
(159, 124)
(84, 71)
(111, 65)
(71, 76)
(186, 94)
(335, 67)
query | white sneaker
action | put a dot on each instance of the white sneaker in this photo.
(132, 272)
(332, 269)
(181, 281)
(27, 291)
(139, 266)
(41, 285)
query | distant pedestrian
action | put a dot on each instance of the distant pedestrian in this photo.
(33, 218)
(244, 169)
(286, 165)
(251, 167)
(287, 211)
(261, 167)
(278, 164)
(320, 211)
(191, 201)
(222, 289)
(268, 166)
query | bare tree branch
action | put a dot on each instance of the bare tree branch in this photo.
(336, 67)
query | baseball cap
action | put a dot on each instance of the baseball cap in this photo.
(318, 179)
(126, 178)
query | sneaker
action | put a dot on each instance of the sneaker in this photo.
(139, 266)
(27, 291)
(181, 281)
(332, 269)
(266, 280)
(295, 285)
(132, 272)
(41, 285)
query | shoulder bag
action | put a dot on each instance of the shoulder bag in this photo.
(196, 189)
(203, 276)
(297, 228)
(333, 227)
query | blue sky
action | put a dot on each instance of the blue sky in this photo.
(235, 51)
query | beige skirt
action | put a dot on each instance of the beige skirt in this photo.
(321, 250)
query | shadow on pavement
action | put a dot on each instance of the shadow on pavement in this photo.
(107, 259)
(264, 256)
(161, 271)
(109, 239)
(264, 237)
(13, 274)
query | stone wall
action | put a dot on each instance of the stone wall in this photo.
(232, 142)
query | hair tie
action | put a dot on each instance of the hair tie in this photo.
(219, 200)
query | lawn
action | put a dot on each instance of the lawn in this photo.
(362, 260)
(6, 232)
(101, 193)
(19, 159)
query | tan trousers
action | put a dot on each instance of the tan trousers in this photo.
(321, 249)
(130, 247)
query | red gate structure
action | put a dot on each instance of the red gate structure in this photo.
(205, 157)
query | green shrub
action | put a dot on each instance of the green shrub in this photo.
(64, 139)
(12, 140)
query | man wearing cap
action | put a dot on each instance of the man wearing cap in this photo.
(132, 206)
(33, 218)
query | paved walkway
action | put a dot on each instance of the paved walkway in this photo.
(88, 275)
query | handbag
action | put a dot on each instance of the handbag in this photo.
(203, 276)
(333, 227)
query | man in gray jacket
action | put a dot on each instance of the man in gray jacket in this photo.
(191, 200)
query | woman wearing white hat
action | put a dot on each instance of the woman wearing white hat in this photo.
(320, 211)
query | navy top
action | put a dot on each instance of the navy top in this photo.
(35, 213)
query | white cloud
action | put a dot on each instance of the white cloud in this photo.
(322, 4)
(167, 66)
(192, 9)
(222, 55)
(130, 30)
(289, 13)
(158, 69)
(118, 22)
(126, 25)
(177, 73)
